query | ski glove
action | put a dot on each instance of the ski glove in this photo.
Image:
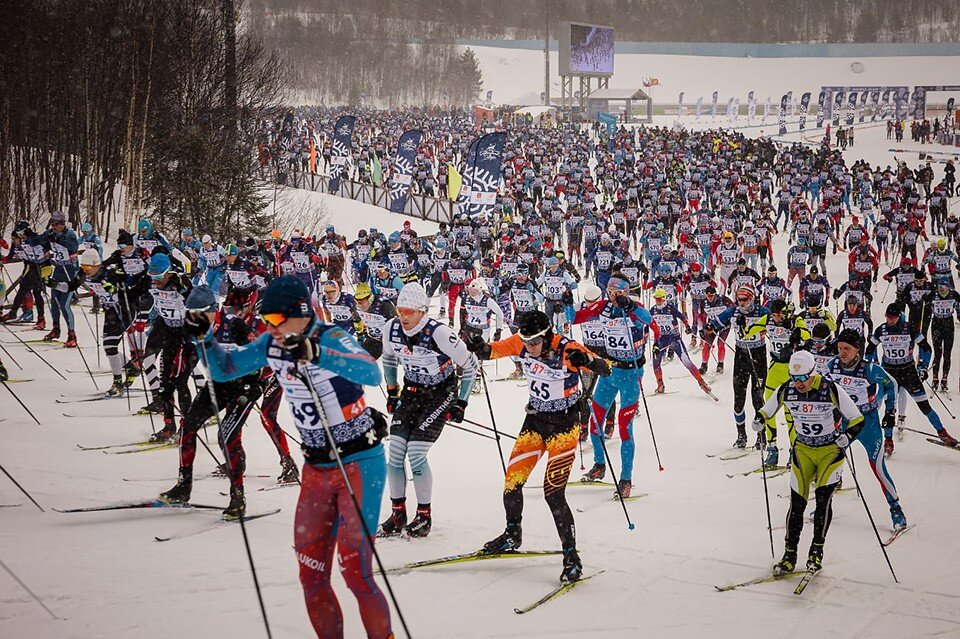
(578, 358)
(624, 302)
(393, 398)
(758, 424)
(475, 344)
(890, 420)
(842, 440)
(196, 323)
(301, 347)
(922, 372)
(497, 334)
(455, 414)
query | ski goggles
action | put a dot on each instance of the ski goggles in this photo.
(801, 378)
(408, 312)
(534, 340)
(274, 319)
(156, 277)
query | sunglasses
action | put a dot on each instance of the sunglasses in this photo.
(274, 319)
(408, 312)
(800, 378)
(329, 291)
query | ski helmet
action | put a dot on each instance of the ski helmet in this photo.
(534, 324)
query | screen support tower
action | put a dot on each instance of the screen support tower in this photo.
(570, 97)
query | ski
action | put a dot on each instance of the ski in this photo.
(145, 442)
(10, 505)
(101, 394)
(477, 555)
(91, 398)
(220, 523)
(896, 534)
(672, 392)
(174, 479)
(753, 582)
(757, 471)
(132, 505)
(95, 373)
(805, 581)
(278, 486)
(940, 443)
(737, 455)
(143, 449)
(556, 592)
(615, 498)
(17, 381)
(725, 451)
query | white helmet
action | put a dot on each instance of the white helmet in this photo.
(90, 257)
(802, 363)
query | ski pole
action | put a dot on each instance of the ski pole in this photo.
(937, 395)
(11, 357)
(25, 587)
(479, 425)
(869, 514)
(19, 401)
(31, 349)
(766, 494)
(919, 432)
(653, 437)
(305, 378)
(493, 419)
(606, 455)
(22, 489)
(87, 366)
(96, 336)
(228, 464)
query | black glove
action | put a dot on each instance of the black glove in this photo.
(455, 414)
(741, 320)
(890, 419)
(922, 372)
(196, 323)
(578, 358)
(497, 334)
(301, 347)
(475, 344)
(709, 330)
(624, 302)
(393, 398)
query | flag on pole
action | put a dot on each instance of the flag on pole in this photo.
(454, 182)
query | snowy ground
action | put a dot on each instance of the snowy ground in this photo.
(106, 577)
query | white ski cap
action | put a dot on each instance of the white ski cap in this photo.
(802, 363)
(90, 257)
(413, 296)
(206, 239)
(591, 293)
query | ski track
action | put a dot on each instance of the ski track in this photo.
(105, 574)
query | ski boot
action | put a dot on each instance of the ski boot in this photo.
(761, 440)
(54, 334)
(393, 525)
(947, 439)
(943, 385)
(288, 473)
(773, 455)
(117, 389)
(572, 566)
(625, 486)
(660, 388)
(7, 317)
(130, 374)
(741, 437)
(936, 384)
(164, 435)
(693, 342)
(901, 420)
(4, 375)
(815, 557)
(719, 368)
(787, 563)
(155, 407)
(608, 429)
(237, 507)
(509, 541)
(71, 340)
(703, 368)
(420, 526)
(180, 493)
(899, 519)
(26, 317)
(40, 325)
(887, 446)
(595, 474)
